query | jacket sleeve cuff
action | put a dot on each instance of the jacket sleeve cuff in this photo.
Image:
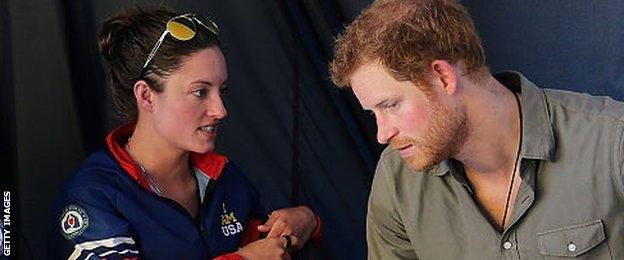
(230, 256)
(317, 235)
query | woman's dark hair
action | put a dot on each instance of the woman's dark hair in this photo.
(125, 42)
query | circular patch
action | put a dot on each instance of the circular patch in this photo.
(74, 221)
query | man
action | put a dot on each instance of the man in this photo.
(479, 166)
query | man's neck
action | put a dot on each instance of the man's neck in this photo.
(490, 155)
(494, 133)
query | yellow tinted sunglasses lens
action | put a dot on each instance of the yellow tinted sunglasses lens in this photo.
(179, 30)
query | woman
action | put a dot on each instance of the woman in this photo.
(158, 191)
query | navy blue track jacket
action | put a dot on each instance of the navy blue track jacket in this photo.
(107, 210)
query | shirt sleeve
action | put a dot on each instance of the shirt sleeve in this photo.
(618, 155)
(385, 233)
(86, 225)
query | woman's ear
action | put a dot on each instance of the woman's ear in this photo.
(144, 96)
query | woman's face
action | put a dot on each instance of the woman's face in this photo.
(186, 113)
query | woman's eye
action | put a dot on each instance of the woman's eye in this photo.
(199, 93)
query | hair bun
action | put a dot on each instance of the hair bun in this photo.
(114, 30)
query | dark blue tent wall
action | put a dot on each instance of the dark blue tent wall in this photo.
(8, 146)
(270, 71)
(574, 45)
(287, 128)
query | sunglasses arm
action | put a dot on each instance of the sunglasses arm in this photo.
(155, 49)
(213, 30)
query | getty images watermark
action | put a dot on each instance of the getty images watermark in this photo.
(5, 225)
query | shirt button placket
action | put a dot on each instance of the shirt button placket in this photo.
(507, 245)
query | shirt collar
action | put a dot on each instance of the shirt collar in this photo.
(439, 169)
(538, 139)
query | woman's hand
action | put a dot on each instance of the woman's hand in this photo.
(268, 248)
(299, 222)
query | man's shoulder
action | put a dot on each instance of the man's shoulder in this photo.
(392, 165)
(394, 173)
(390, 157)
(575, 104)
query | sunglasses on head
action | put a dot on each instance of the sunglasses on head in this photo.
(183, 28)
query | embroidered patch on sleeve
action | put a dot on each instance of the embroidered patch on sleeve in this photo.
(74, 220)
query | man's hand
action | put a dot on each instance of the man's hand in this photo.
(297, 221)
(267, 248)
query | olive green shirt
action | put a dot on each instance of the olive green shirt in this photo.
(570, 202)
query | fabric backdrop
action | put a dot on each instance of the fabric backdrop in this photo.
(296, 137)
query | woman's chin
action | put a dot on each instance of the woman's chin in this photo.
(205, 148)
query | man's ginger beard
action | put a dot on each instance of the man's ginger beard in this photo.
(445, 134)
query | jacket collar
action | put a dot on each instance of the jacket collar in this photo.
(210, 164)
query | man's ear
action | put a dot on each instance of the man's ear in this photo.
(144, 96)
(444, 75)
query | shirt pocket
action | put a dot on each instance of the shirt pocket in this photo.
(572, 241)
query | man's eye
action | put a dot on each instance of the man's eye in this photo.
(199, 93)
(391, 105)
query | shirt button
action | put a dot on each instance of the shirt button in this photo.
(507, 245)
(572, 247)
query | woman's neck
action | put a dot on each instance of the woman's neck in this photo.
(161, 160)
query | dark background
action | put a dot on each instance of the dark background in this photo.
(298, 139)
